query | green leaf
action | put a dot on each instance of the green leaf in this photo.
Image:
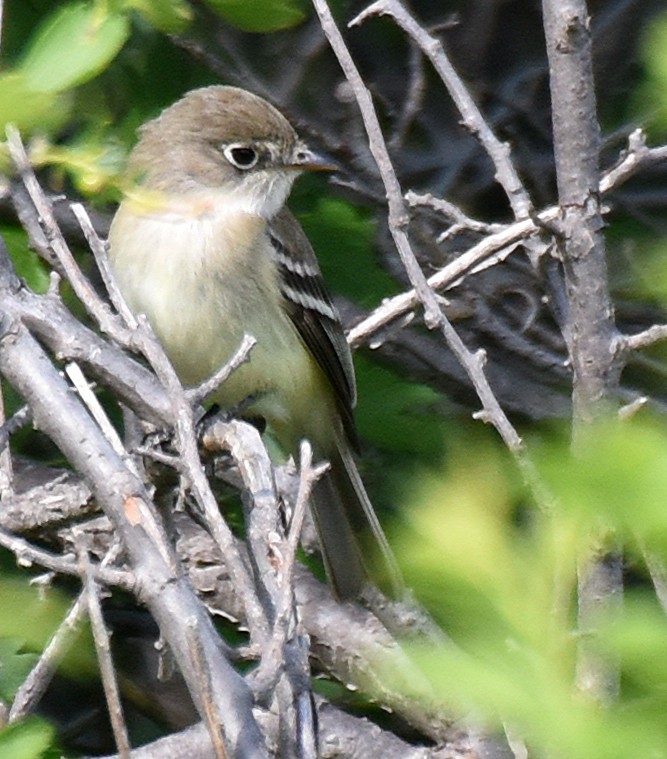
(617, 478)
(168, 16)
(29, 266)
(504, 586)
(26, 740)
(260, 15)
(33, 616)
(27, 109)
(73, 45)
(93, 162)
(15, 664)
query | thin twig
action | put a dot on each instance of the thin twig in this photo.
(262, 510)
(308, 476)
(643, 339)
(33, 687)
(99, 250)
(498, 151)
(289, 637)
(80, 284)
(27, 555)
(6, 468)
(17, 421)
(103, 649)
(199, 394)
(398, 216)
(203, 672)
(633, 407)
(460, 220)
(481, 254)
(414, 97)
(273, 659)
(636, 156)
(506, 239)
(190, 466)
(73, 371)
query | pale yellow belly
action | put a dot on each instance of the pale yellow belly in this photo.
(201, 303)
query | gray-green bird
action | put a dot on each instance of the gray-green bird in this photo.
(205, 248)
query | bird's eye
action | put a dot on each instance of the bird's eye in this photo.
(241, 156)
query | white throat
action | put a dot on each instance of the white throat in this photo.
(259, 194)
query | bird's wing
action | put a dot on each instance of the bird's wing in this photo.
(312, 312)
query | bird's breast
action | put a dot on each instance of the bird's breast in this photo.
(203, 282)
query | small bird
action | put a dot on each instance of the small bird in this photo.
(206, 248)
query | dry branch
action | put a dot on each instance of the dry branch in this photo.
(590, 331)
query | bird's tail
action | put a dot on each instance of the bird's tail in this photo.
(354, 547)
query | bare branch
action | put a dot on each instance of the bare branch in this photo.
(6, 468)
(414, 98)
(82, 287)
(494, 248)
(18, 420)
(99, 250)
(308, 476)
(202, 391)
(44, 496)
(190, 466)
(454, 213)
(284, 665)
(637, 155)
(67, 338)
(600, 595)
(590, 331)
(93, 405)
(103, 648)
(499, 152)
(643, 339)
(398, 217)
(342, 736)
(27, 554)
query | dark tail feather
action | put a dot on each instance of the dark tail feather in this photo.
(354, 546)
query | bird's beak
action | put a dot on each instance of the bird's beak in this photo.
(305, 159)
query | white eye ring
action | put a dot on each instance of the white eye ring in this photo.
(241, 155)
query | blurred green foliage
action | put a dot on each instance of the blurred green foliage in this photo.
(650, 101)
(500, 575)
(73, 45)
(30, 616)
(29, 266)
(260, 15)
(30, 739)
